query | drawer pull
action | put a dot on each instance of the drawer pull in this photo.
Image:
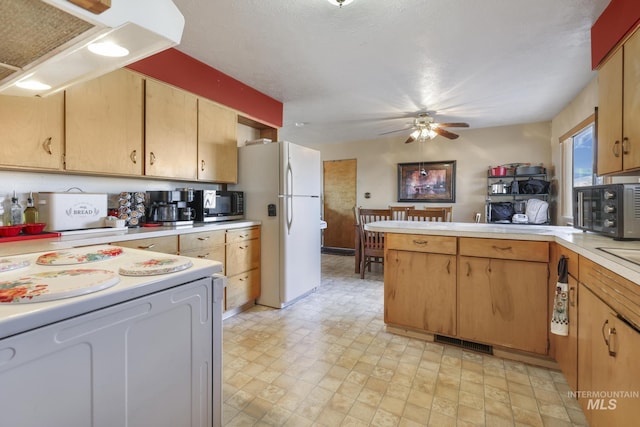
(572, 296)
(202, 165)
(203, 238)
(46, 145)
(147, 246)
(152, 158)
(616, 149)
(242, 279)
(420, 242)
(625, 145)
(497, 248)
(134, 156)
(203, 256)
(611, 344)
(448, 267)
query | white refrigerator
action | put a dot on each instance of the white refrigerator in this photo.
(281, 182)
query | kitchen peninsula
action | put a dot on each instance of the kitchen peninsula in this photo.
(491, 288)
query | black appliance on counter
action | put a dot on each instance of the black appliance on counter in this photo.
(215, 205)
(612, 210)
(170, 207)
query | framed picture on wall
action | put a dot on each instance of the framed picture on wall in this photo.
(427, 182)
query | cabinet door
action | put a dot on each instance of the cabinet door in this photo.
(610, 115)
(503, 302)
(420, 291)
(217, 143)
(104, 124)
(32, 131)
(242, 289)
(631, 106)
(171, 126)
(608, 351)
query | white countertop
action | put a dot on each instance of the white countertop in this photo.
(108, 236)
(585, 244)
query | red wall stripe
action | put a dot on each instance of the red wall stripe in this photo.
(183, 71)
(617, 20)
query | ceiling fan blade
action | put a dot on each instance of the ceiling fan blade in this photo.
(452, 125)
(397, 130)
(411, 139)
(445, 133)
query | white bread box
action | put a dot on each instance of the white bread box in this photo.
(72, 210)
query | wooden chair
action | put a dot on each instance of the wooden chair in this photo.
(427, 214)
(371, 242)
(399, 213)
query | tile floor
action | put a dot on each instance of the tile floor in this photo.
(327, 361)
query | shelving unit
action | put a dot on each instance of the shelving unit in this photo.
(511, 196)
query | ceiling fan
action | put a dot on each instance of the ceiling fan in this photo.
(424, 128)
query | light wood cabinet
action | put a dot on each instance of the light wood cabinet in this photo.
(608, 349)
(104, 125)
(165, 244)
(564, 349)
(217, 143)
(206, 244)
(32, 134)
(618, 127)
(171, 124)
(242, 267)
(420, 282)
(502, 293)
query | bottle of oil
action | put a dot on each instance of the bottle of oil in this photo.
(30, 212)
(15, 211)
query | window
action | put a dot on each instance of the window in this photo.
(578, 164)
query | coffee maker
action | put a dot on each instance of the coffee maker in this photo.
(170, 207)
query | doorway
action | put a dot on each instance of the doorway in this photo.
(339, 177)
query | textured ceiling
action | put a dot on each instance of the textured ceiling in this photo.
(353, 73)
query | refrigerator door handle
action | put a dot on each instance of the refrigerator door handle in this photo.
(289, 197)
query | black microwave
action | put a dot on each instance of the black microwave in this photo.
(214, 205)
(612, 210)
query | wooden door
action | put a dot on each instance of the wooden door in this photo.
(609, 115)
(339, 200)
(631, 106)
(104, 124)
(217, 143)
(32, 131)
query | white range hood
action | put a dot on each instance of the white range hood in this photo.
(47, 40)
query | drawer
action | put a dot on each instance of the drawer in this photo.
(203, 240)
(216, 253)
(166, 244)
(242, 288)
(421, 243)
(242, 256)
(505, 249)
(243, 234)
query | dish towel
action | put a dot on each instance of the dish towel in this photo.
(560, 318)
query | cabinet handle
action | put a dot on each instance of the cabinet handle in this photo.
(448, 265)
(147, 247)
(572, 296)
(134, 156)
(616, 149)
(152, 158)
(497, 248)
(46, 145)
(612, 343)
(202, 165)
(468, 269)
(203, 256)
(203, 238)
(421, 242)
(625, 145)
(604, 337)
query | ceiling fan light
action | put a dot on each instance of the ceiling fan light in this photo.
(432, 134)
(340, 3)
(415, 134)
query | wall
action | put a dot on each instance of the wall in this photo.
(474, 152)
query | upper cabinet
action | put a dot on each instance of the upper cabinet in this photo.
(217, 143)
(618, 128)
(104, 125)
(171, 124)
(32, 132)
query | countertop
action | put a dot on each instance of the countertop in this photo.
(585, 244)
(106, 236)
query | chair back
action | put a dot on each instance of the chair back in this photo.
(427, 214)
(399, 213)
(366, 216)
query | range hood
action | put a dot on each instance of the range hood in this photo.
(47, 41)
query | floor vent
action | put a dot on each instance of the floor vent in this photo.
(470, 345)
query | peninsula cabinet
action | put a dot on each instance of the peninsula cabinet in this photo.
(420, 282)
(618, 127)
(165, 244)
(242, 267)
(608, 349)
(171, 128)
(32, 134)
(502, 293)
(564, 349)
(217, 143)
(104, 125)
